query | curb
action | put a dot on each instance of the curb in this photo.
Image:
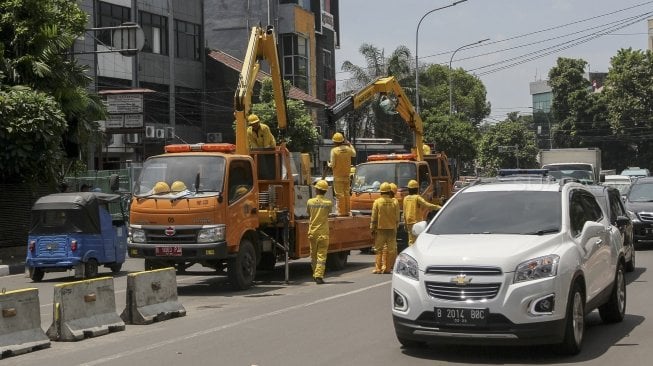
(11, 269)
(4, 270)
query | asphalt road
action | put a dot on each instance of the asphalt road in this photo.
(344, 322)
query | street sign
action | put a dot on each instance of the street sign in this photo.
(115, 121)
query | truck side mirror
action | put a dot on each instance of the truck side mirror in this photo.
(114, 182)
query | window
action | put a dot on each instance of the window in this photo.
(110, 15)
(327, 64)
(616, 206)
(295, 60)
(187, 40)
(240, 179)
(425, 179)
(582, 208)
(155, 28)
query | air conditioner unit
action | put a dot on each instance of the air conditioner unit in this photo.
(150, 132)
(160, 133)
(133, 138)
(170, 133)
(214, 137)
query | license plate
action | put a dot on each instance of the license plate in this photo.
(169, 251)
(461, 316)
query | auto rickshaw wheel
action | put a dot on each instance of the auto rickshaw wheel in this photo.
(36, 274)
(90, 268)
(116, 267)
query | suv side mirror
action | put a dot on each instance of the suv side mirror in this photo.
(591, 229)
(419, 227)
(622, 221)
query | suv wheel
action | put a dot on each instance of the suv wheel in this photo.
(630, 265)
(575, 321)
(614, 310)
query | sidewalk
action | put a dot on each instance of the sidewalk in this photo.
(12, 260)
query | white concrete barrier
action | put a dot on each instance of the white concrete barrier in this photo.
(20, 323)
(84, 309)
(152, 297)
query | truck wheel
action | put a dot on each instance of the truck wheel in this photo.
(614, 310)
(242, 269)
(90, 268)
(337, 261)
(36, 274)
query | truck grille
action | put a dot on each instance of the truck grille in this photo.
(455, 292)
(181, 236)
(646, 216)
(466, 270)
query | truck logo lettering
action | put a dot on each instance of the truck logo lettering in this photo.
(170, 231)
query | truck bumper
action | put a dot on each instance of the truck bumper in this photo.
(187, 252)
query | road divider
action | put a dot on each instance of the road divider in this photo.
(152, 297)
(20, 323)
(84, 309)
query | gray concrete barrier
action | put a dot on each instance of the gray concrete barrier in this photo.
(84, 309)
(152, 297)
(20, 323)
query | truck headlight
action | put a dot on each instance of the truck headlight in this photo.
(211, 234)
(137, 235)
(537, 268)
(407, 266)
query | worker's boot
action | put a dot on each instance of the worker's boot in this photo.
(378, 262)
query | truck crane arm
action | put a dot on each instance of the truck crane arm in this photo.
(383, 86)
(262, 45)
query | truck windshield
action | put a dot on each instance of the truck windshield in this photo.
(369, 177)
(182, 168)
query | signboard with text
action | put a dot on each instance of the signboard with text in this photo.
(125, 103)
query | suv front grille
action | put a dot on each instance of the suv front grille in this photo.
(455, 292)
(466, 270)
(646, 216)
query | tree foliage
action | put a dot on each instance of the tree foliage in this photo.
(301, 134)
(457, 138)
(35, 38)
(512, 133)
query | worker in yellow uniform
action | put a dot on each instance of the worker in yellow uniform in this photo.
(258, 134)
(318, 229)
(413, 206)
(340, 164)
(385, 218)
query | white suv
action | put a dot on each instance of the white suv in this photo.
(511, 262)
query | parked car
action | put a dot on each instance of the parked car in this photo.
(510, 262)
(635, 172)
(610, 200)
(639, 203)
(76, 231)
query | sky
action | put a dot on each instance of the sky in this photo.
(525, 38)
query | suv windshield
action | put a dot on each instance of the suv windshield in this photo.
(641, 192)
(185, 168)
(500, 212)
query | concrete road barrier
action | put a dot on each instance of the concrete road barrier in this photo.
(20, 323)
(84, 309)
(152, 297)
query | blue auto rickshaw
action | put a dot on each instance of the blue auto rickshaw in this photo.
(76, 231)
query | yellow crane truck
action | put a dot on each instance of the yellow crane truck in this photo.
(431, 170)
(230, 208)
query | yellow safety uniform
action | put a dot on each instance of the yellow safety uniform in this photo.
(340, 165)
(413, 206)
(261, 138)
(385, 218)
(318, 232)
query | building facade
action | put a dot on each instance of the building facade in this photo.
(307, 32)
(166, 78)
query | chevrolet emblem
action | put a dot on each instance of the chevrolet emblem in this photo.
(461, 280)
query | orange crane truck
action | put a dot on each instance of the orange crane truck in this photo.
(431, 171)
(230, 208)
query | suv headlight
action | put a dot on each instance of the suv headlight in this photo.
(211, 234)
(407, 266)
(537, 268)
(137, 235)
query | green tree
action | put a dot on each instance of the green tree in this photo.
(301, 134)
(629, 100)
(512, 133)
(35, 37)
(457, 138)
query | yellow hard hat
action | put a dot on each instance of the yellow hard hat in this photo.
(178, 186)
(413, 184)
(338, 137)
(385, 187)
(393, 188)
(161, 187)
(252, 119)
(427, 149)
(322, 185)
(241, 190)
